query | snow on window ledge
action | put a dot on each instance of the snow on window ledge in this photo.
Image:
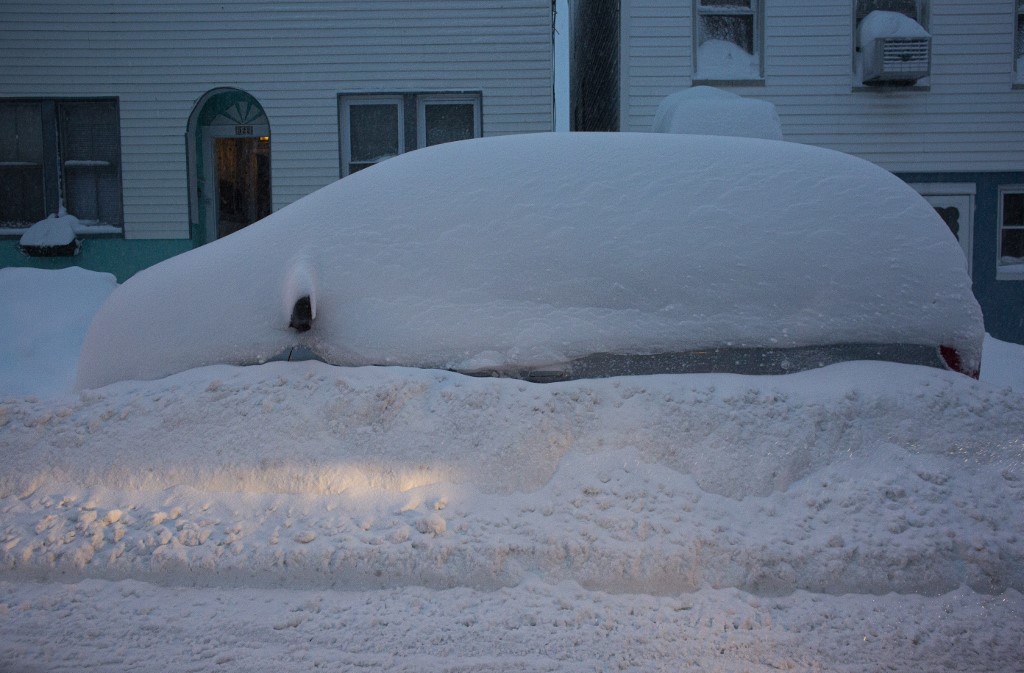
(722, 61)
(77, 226)
(1010, 271)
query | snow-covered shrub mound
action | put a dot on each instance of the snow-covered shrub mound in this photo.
(533, 250)
(711, 111)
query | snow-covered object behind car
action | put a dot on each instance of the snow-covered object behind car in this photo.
(880, 25)
(711, 111)
(523, 251)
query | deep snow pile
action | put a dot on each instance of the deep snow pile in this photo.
(533, 250)
(659, 521)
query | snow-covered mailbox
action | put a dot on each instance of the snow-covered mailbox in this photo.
(566, 255)
(895, 49)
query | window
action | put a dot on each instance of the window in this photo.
(1018, 59)
(1011, 233)
(728, 39)
(22, 199)
(443, 119)
(375, 128)
(60, 153)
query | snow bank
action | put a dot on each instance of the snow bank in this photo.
(865, 477)
(524, 251)
(817, 520)
(1002, 364)
(45, 317)
(710, 111)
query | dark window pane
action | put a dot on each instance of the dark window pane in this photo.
(90, 152)
(21, 133)
(736, 29)
(1013, 209)
(951, 216)
(1020, 35)
(373, 131)
(905, 7)
(449, 121)
(21, 195)
(21, 164)
(1012, 249)
(725, 3)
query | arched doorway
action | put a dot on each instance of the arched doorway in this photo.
(228, 142)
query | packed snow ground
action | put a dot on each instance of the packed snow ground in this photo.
(289, 516)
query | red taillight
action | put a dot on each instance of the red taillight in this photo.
(953, 360)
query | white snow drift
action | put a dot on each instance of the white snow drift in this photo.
(529, 251)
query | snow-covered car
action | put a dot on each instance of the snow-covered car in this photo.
(566, 255)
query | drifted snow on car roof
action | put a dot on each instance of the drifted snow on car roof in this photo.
(527, 251)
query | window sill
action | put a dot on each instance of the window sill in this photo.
(102, 232)
(1009, 275)
(891, 88)
(705, 81)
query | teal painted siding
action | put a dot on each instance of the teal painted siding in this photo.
(113, 255)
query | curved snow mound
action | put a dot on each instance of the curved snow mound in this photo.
(710, 111)
(528, 251)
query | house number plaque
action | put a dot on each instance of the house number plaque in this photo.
(245, 130)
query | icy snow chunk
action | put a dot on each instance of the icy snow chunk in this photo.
(711, 111)
(538, 249)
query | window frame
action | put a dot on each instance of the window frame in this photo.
(54, 179)
(423, 100)
(756, 11)
(1003, 271)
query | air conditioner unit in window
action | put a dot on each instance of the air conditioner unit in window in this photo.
(897, 60)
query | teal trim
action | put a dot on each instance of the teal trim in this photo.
(215, 105)
(123, 258)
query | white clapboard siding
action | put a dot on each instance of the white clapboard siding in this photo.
(967, 116)
(295, 57)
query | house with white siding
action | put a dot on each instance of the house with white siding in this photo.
(160, 126)
(932, 90)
